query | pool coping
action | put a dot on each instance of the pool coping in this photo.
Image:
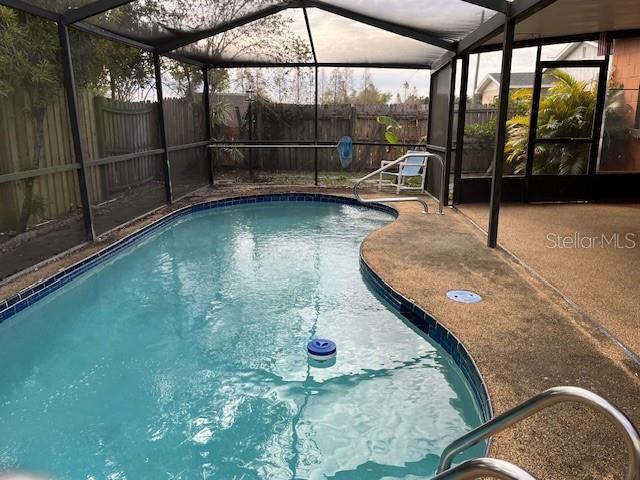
(405, 306)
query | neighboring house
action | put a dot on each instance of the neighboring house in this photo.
(489, 89)
(581, 51)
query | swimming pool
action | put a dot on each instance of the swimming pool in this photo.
(183, 357)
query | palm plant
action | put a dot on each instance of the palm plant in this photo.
(565, 111)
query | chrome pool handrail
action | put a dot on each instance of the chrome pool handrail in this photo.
(485, 467)
(413, 153)
(539, 402)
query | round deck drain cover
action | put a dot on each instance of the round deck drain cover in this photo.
(463, 296)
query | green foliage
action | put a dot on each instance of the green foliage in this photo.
(565, 111)
(486, 129)
(387, 121)
(30, 60)
(28, 56)
(370, 95)
(483, 135)
(391, 128)
(30, 64)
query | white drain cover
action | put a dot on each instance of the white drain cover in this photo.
(463, 296)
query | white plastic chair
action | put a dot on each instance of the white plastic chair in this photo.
(410, 168)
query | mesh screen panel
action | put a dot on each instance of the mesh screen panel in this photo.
(450, 19)
(561, 159)
(620, 146)
(357, 102)
(185, 126)
(55, 221)
(621, 131)
(189, 169)
(438, 125)
(480, 118)
(165, 19)
(119, 125)
(228, 106)
(59, 6)
(279, 38)
(439, 111)
(339, 39)
(268, 105)
(571, 51)
(40, 206)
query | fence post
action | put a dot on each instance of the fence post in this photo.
(207, 121)
(78, 150)
(163, 133)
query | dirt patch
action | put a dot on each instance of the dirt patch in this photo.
(54, 237)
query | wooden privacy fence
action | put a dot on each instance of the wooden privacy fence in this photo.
(479, 114)
(54, 174)
(295, 123)
(121, 142)
(115, 132)
(122, 145)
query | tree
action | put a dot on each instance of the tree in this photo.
(267, 39)
(565, 111)
(30, 64)
(370, 95)
(339, 89)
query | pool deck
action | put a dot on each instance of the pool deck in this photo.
(524, 336)
(602, 279)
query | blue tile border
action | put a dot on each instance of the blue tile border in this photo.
(30, 295)
(436, 331)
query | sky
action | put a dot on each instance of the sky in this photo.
(337, 39)
(392, 80)
(363, 42)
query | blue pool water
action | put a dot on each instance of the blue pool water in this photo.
(184, 358)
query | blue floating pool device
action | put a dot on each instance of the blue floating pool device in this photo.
(321, 349)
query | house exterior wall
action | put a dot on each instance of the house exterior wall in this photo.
(626, 62)
(625, 71)
(584, 51)
(490, 94)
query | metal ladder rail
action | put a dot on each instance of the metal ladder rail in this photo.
(539, 402)
(403, 199)
(485, 467)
